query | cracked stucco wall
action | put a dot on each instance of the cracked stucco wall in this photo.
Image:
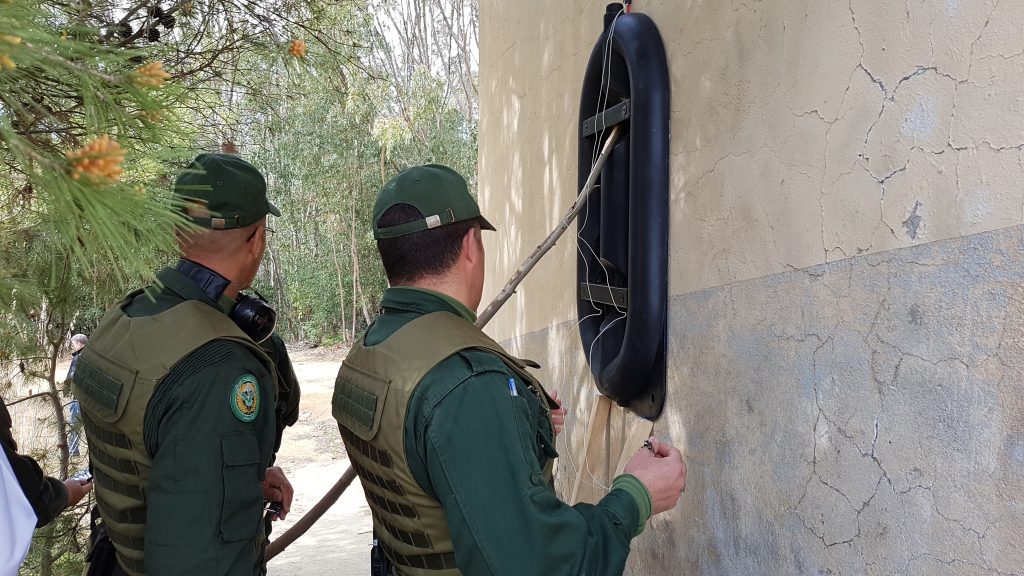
(863, 416)
(803, 132)
(846, 249)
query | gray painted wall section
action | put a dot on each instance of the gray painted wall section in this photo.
(860, 417)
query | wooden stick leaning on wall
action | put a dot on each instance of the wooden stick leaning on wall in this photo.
(552, 239)
(332, 495)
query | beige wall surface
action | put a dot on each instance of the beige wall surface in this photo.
(802, 132)
(846, 256)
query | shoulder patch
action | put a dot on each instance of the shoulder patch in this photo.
(245, 398)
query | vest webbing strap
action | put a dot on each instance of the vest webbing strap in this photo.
(127, 541)
(133, 491)
(366, 449)
(119, 464)
(105, 436)
(132, 516)
(415, 538)
(444, 561)
(133, 564)
(403, 510)
(379, 481)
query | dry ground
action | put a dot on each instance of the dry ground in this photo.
(313, 457)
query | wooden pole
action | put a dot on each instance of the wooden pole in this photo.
(318, 510)
(549, 242)
(314, 514)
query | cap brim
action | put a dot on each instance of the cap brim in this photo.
(274, 209)
(485, 225)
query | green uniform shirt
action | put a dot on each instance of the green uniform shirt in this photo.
(205, 497)
(481, 456)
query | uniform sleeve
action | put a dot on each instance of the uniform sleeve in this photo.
(288, 393)
(47, 496)
(210, 431)
(480, 449)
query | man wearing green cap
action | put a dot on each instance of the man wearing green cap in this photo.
(452, 437)
(180, 401)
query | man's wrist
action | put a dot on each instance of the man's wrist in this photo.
(636, 489)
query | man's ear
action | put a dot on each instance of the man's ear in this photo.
(254, 245)
(471, 245)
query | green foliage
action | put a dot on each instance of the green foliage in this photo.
(352, 120)
(60, 91)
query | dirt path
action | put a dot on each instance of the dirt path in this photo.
(313, 457)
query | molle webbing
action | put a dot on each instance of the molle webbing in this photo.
(374, 385)
(116, 375)
(432, 562)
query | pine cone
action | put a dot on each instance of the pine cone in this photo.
(153, 35)
(168, 22)
(155, 12)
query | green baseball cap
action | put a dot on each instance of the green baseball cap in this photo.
(438, 192)
(223, 191)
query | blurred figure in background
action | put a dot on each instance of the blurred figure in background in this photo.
(74, 411)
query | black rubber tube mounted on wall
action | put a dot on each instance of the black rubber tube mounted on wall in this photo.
(622, 267)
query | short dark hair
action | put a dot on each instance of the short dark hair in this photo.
(430, 252)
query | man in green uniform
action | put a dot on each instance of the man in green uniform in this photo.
(451, 436)
(178, 398)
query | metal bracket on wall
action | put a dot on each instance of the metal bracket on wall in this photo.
(601, 294)
(610, 117)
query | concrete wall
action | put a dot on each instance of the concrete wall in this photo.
(846, 252)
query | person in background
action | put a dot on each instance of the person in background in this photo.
(74, 410)
(452, 437)
(78, 342)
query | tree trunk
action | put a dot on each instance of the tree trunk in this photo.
(355, 266)
(277, 285)
(362, 302)
(47, 558)
(341, 284)
(53, 396)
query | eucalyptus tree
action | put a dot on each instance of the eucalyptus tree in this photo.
(399, 88)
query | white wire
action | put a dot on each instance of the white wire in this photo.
(605, 89)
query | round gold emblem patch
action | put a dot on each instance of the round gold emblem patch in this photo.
(245, 398)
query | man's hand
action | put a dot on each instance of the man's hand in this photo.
(277, 488)
(662, 471)
(77, 489)
(558, 414)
